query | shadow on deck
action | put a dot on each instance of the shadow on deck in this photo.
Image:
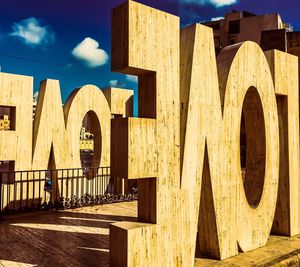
(78, 237)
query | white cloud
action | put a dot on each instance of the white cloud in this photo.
(113, 83)
(216, 18)
(217, 3)
(89, 52)
(131, 78)
(32, 33)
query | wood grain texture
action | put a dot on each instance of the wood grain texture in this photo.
(49, 132)
(57, 130)
(121, 105)
(201, 122)
(88, 99)
(120, 101)
(139, 143)
(209, 129)
(284, 68)
(54, 142)
(79, 237)
(242, 67)
(16, 92)
(216, 116)
(184, 149)
(16, 145)
(156, 62)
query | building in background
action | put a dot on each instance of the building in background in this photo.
(86, 143)
(240, 26)
(7, 118)
(266, 30)
(86, 140)
(281, 40)
(4, 123)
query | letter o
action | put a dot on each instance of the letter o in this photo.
(249, 68)
(90, 99)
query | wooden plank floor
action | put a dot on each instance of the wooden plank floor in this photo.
(80, 238)
(76, 237)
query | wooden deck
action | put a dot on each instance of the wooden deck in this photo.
(76, 237)
(80, 238)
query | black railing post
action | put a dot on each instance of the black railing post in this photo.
(27, 191)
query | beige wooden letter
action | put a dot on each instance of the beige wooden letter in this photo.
(137, 131)
(120, 101)
(284, 68)
(244, 69)
(88, 99)
(121, 105)
(146, 43)
(225, 216)
(58, 128)
(49, 130)
(201, 126)
(16, 91)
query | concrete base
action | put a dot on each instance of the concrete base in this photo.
(280, 251)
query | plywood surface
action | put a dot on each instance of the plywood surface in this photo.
(198, 149)
(72, 238)
(80, 238)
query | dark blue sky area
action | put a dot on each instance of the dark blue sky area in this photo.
(70, 40)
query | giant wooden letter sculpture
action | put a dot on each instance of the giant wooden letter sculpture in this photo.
(54, 141)
(121, 105)
(284, 68)
(145, 42)
(49, 129)
(16, 93)
(15, 145)
(120, 101)
(58, 129)
(89, 99)
(151, 149)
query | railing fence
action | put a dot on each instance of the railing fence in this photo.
(47, 189)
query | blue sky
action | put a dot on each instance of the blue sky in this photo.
(70, 40)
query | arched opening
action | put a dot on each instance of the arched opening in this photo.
(90, 141)
(243, 145)
(253, 147)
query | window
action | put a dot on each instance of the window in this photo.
(216, 27)
(274, 38)
(234, 27)
(231, 42)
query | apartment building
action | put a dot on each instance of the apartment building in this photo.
(240, 26)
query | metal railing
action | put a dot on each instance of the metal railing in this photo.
(46, 189)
